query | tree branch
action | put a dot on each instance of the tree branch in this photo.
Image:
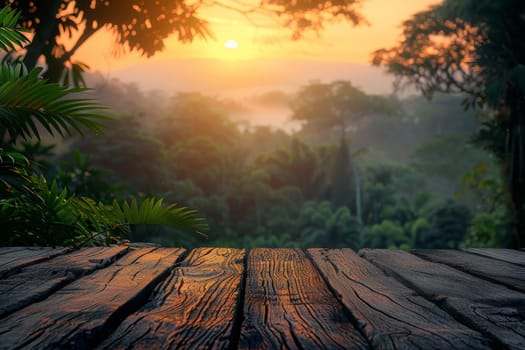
(88, 32)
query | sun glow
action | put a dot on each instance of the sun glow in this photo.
(238, 39)
(231, 44)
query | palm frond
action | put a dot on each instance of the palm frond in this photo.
(14, 174)
(11, 36)
(26, 101)
(152, 211)
(74, 75)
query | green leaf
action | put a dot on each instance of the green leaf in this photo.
(11, 36)
(26, 99)
(152, 211)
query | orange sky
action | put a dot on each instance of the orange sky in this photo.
(338, 42)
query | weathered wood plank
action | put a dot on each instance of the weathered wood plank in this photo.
(509, 255)
(80, 314)
(497, 271)
(193, 309)
(390, 314)
(9, 250)
(36, 282)
(487, 307)
(12, 259)
(288, 306)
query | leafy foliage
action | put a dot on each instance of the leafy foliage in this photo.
(254, 186)
(31, 210)
(387, 234)
(464, 46)
(295, 165)
(325, 106)
(61, 218)
(134, 150)
(11, 35)
(448, 226)
(259, 187)
(492, 220)
(13, 173)
(319, 224)
(153, 211)
(26, 99)
(144, 26)
(82, 178)
(336, 104)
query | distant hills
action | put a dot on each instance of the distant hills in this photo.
(248, 77)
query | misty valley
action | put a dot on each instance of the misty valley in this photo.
(270, 174)
(242, 148)
(421, 182)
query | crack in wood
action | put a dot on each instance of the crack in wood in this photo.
(221, 298)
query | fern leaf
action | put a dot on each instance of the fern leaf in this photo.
(153, 212)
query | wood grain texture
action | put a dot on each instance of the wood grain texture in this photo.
(12, 259)
(488, 307)
(288, 306)
(193, 309)
(81, 313)
(497, 271)
(36, 282)
(390, 314)
(509, 255)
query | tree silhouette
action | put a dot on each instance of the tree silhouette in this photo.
(144, 25)
(476, 48)
(297, 165)
(338, 104)
(33, 210)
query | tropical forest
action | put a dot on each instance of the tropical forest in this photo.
(431, 155)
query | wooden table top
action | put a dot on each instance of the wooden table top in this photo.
(222, 298)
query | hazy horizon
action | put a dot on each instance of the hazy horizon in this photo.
(241, 79)
(264, 58)
(238, 82)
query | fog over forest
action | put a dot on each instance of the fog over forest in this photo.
(262, 174)
(240, 83)
(241, 77)
(414, 159)
(189, 131)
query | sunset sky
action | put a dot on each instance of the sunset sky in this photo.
(265, 58)
(338, 42)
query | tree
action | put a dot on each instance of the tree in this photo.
(475, 47)
(491, 223)
(198, 134)
(124, 150)
(203, 161)
(191, 114)
(33, 210)
(448, 226)
(341, 179)
(324, 106)
(320, 224)
(387, 234)
(143, 26)
(445, 159)
(296, 165)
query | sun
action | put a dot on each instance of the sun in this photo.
(231, 44)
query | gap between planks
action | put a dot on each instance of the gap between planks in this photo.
(13, 259)
(484, 267)
(390, 314)
(194, 308)
(492, 309)
(239, 311)
(70, 319)
(36, 282)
